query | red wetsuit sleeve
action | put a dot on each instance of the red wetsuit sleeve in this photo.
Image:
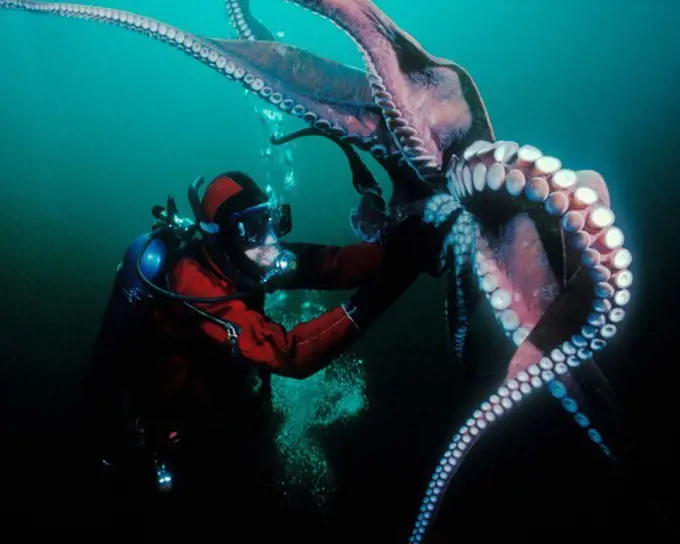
(334, 268)
(298, 353)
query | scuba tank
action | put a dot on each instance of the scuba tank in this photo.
(141, 274)
(120, 333)
(121, 336)
(124, 307)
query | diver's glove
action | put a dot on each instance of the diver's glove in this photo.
(418, 243)
(411, 247)
(370, 219)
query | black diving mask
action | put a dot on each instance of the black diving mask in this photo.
(256, 224)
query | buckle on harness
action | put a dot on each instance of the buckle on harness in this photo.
(232, 333)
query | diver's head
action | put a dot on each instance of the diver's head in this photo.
(251, 223)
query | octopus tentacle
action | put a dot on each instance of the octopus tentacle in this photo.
(568, 197)
(362, 178)
(430, 104)
(548, 344)
(498, 289)
(508, 394)
(249, 27)
(245, 24)
(335, 99)
(563, 391)
(459, 245)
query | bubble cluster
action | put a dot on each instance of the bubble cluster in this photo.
(331, 396)
(278, 165)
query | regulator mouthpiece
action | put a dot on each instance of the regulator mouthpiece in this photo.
(285, 263)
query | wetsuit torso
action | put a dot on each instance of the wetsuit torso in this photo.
(189, 377)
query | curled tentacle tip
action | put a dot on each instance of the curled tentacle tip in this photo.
(595, 181)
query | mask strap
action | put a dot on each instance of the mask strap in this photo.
(206, 227)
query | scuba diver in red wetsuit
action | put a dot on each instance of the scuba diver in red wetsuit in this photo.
(186, 339)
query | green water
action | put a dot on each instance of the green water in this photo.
(98, 124)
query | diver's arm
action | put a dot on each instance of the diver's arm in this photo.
(298, 353)
(308, 347)
(328, 268)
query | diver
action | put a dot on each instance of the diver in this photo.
(184, 358)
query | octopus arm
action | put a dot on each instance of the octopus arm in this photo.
(556, 316)
(245, 24)
(330, 96)
(462, 296)
(584, 391)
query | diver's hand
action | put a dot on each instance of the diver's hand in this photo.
(415, 243)
(411, 248)
(370, 219)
